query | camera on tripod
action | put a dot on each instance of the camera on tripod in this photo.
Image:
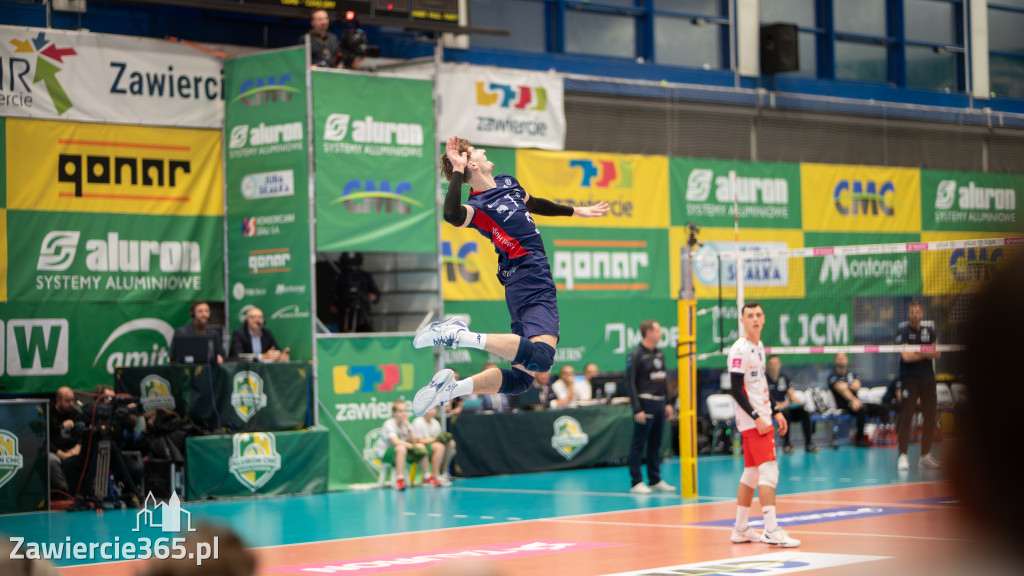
(354, 45)
(107, 419)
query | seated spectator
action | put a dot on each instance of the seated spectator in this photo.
(568, 390)
(845, 385)
(66, 457)
(402, 445)
(786, 400)
(589, 372)
(253, 338)
(440, 445)
(200, 314)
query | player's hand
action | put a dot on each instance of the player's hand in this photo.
(783, 425)
(458, 160)
(764, 426)
(856, 404)
(670, 413)
(640, 418)
(599, 209)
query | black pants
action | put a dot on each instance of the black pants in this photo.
(868, 409)
(649, 433)
(793, 414)
(912, 390)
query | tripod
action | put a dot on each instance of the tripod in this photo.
(97, 471)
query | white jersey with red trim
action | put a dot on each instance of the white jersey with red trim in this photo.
(748, 359)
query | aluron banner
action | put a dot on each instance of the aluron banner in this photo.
(68, 75)
(634, 186)
(375, 163)
(81, 257)
(971, 201)
(711, 192)
(80, 167)
(502, 107)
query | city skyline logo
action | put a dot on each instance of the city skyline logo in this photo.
(164, 515)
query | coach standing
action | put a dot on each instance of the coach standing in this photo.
(646, 379)
(918, 376)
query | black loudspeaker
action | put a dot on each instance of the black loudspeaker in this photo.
(779, 48)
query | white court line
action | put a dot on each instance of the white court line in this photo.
(563, 492)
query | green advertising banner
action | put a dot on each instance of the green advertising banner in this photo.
(702, 191)
(375, 164)
(357, 381)
(24, 449)
(601, 331)
(837, 276)
(256, 464)
(79, 257)
(788, 322)
(608, 263)
(971, 201)
(267, 175)
(46, 345)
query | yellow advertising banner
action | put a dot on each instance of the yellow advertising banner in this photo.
(767, 277)
(635, 187)
(81, 167)
(960, 269)
(841, 198)
(3, 255)
(470, 266)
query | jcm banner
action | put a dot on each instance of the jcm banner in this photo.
(763, 277)
(634, 186)
(375, 163)
(116, 257)
(46, 345)
(712, 192)
(608, 263)
(68, 75)
(840, 198)
(971, 201)
(357, 381)
(267, 175)
(606, 337)
(79, 167)
(502, 107)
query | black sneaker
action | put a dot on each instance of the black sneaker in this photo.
(788, 449)
(812, 448)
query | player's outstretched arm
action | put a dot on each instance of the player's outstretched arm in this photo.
(599, 209)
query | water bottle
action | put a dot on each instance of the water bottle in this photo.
(736, 442)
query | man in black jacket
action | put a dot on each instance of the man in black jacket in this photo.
(646, 380)
(253, 338)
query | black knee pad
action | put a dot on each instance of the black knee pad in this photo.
(514, 381)
(535, 356)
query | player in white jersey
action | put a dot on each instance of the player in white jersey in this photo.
(755, 409)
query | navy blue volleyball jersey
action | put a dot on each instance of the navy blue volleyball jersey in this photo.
(502, 217)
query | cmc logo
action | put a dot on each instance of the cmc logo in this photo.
(263, 90)
(853, 197)
(508, 96)
(368, 196)
(603, 173)
(373, 378)
(459, 266)
(973, 264)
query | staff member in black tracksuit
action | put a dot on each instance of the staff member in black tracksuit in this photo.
(648, 393)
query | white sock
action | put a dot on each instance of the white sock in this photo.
(742, 514)
(770, 523)
(463, 387)
(469, 339)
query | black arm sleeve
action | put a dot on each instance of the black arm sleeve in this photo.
(543, 207)
(741, 398)
(454, 211)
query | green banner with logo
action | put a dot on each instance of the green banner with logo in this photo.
(834, 276)
(46, 345)
(971, 201)
(788, 322)
(235, 396)
(375, 164)
(24, 449)
(256, 464)
(358, 379)
(79, 257)
(605, 338)
(608, 263)
(544, 440)
(703, 192)
(267, 175)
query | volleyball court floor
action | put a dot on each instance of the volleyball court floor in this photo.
(853, 511)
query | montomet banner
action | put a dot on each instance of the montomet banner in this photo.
(840, 198)
(79, 167)
(69, 75)
(634, 186)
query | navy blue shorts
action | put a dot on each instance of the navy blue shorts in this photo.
(532, 305)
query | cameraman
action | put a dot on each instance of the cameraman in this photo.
(66, 458)
(354, 291)
(324, 45)
(129, 428)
